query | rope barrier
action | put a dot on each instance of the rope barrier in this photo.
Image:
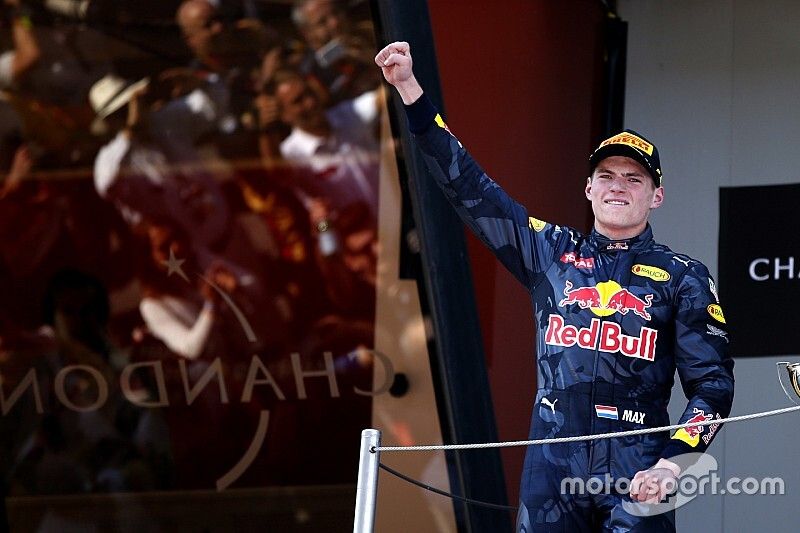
(447, 494)
(578, 438)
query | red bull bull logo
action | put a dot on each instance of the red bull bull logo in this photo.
(607, 298)
(691, 434)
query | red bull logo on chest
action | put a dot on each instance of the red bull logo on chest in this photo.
(605, 337)
(604, 299)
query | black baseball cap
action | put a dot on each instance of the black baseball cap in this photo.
(628, 143)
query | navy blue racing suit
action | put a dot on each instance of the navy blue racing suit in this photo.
(615, 319)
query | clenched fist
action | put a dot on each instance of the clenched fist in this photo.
(396, 64)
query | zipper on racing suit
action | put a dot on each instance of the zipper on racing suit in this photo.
(613, 276)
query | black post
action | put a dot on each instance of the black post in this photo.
(458, 363)
(616, 51)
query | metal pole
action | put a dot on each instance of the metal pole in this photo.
(367, 488)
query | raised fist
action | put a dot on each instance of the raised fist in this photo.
(395, 62)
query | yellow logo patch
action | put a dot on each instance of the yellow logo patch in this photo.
(716, 313)
(691, 440)
(654, 273)
(535, 224)
(630, 140)
(691, 433)
(440, 122)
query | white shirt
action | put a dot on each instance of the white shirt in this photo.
(345, 164)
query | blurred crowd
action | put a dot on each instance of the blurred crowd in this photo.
(182, 181)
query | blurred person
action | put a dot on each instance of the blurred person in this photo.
(339, 146)
(200, 25)
(14, 64)
(135, 174)
(186, 317)
(180, 315)
(228, 52)
(339, 56)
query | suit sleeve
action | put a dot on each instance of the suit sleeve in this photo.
(525, 245)
(701, 355)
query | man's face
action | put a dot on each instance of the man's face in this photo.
(199, 25)
(299, 105)
(323, 22)
(622, 194)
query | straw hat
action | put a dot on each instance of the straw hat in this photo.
(109, 94)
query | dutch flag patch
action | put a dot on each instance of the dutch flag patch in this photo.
(606, 411)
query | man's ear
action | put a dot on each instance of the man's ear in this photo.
(588, 189)
(658, 198)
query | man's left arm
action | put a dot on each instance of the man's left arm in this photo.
(704, 367)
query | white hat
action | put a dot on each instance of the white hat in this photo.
(110, 94)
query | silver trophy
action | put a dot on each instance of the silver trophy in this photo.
(793, 370)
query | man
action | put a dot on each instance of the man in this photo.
(339, 52)
(617, 314)
(337, 145)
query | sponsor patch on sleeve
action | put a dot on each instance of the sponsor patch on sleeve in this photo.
(716, 313)
(691, 434)
(536, 225)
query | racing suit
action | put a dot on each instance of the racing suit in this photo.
(614, 320)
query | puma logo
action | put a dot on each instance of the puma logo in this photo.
(678, 259)
(552, 406)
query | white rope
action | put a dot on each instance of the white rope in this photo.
(578, 438)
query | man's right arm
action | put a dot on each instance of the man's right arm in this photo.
(526, 246)
(26, 49)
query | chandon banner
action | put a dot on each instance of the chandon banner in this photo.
(200, 295)
(759, 268)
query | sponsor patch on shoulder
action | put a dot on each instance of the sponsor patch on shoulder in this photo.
(716, 313)
(441, 123)
(713, 289)
(536, 225)
(654, 273)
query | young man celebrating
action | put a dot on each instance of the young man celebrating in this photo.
(617, 314)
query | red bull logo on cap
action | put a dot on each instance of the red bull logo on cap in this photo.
(607, 298)
(691, 434)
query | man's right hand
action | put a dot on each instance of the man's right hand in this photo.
(396, 64)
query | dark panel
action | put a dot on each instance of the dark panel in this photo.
(465, 404)
(759, 267)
